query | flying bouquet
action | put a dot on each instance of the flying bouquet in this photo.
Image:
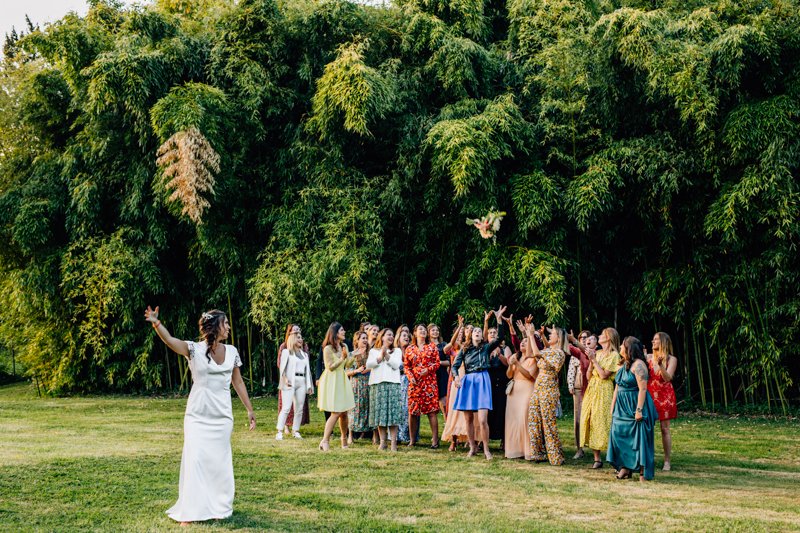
(489, 225)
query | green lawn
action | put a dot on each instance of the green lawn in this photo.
(111, 463)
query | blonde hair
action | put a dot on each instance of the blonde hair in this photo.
(291, 342)
(613, 339)
(666, 344)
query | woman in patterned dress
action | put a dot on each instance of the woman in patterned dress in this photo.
(663, 364)
(421, 360)
(385, 403)
(359, 379)
(403, 338)
(542, 429)
(596, 406)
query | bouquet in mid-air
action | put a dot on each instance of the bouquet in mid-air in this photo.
(489, 225)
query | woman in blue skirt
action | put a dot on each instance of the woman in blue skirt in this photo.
(474, 390)
(630, 446)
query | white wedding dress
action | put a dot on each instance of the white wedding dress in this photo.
(206, 485)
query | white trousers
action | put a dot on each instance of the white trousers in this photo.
(296, 397)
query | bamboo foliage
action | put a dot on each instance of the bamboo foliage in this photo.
(322, 157)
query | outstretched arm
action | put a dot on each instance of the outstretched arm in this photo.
(176, 345)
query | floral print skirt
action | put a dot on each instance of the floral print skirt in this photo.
(359, 416)
(386, 405)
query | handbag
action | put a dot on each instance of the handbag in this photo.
(578, 385)
(509, 387)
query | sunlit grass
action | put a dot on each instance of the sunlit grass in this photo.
(111, 463)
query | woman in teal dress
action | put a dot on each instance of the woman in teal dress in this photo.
(631, 441)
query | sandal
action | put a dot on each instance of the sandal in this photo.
(435, 446)
(623, 475)
(597, 465)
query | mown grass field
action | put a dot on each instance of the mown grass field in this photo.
(111, 463)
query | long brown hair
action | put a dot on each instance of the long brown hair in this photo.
(379, 340)
(613, 339)
(332, 337)
(666, 345)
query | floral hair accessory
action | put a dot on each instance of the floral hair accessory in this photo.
(207, 316)
(489, 225)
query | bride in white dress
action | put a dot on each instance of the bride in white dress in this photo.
(206, 486)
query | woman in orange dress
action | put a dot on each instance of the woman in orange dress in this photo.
(420, 361)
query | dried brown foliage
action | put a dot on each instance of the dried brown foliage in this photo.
(189, 162)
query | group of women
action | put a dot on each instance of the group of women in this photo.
(496, 382)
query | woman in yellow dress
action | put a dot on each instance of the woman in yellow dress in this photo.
(335, 391)
(596, 406)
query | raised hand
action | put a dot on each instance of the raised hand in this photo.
(151, 315)
(486, 316)
(529, 319)
(571, 338)
(500, 311)
(520, 326)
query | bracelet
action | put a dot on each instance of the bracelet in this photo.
(638, 409)
(156, 324)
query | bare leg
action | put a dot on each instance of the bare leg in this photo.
(443, 407)
(413, 428)
(470, 416)
(597, 459)
(577, 399)
(483, 422)
(666, 440)
(393, 436)
(326, 436)
(343, 428)
(433, 418)
(382, 433)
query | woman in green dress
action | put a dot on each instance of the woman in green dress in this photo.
(335, 391)
(631, 446)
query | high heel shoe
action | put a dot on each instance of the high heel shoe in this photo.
(324, 446)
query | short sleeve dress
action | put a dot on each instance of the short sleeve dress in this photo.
(206, 485)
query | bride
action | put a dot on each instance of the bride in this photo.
(206, 484)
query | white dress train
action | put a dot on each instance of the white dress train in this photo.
(206, 484)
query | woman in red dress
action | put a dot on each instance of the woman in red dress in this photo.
(420, 361)
(662, 365)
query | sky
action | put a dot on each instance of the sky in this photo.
(12, 12)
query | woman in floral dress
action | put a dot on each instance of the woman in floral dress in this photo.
(596, 406)
(542, 429)
(359, 379)
(420, 361)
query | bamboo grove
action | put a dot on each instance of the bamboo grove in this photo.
(306, 161)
